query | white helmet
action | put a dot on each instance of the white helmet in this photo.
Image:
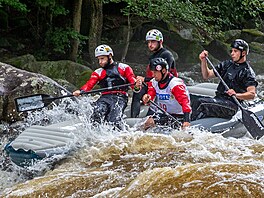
(103, 50)
(155, 35)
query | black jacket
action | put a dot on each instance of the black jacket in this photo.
(237, 76)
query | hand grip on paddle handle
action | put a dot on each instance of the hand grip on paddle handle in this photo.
(146, 98)
(77, 93)
(203, 55)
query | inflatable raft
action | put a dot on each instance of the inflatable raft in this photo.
(38, 142)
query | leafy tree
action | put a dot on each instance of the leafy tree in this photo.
(162, 10)
(15, 4)
(235, 14)
(59, 25)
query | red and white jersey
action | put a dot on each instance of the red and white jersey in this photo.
(172, 96)
(100, 74)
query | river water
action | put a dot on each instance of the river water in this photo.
(133, 163)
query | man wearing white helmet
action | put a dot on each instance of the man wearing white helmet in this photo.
(155, 44)
(239, 77)
(110, 106)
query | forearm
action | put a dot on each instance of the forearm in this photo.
(205, 70)
(186, 117)
(245, 96)
(248, 95)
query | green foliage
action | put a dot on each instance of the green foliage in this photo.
(166, 10)
(14, 4)
(55, 8)
(59, 39)
(226, 14)
(211, 16)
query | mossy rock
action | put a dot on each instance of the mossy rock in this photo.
(62, 69)
(251, 35)
(253, 32)
(83, 77)
(257, 47)
(230, 35)
(21, 61)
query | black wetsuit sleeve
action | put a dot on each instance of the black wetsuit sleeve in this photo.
(250, 78)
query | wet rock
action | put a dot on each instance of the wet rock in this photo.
(74, 73)
(15, 83)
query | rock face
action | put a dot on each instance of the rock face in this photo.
(15, 83)
(76, 74)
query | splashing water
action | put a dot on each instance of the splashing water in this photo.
(133, 163)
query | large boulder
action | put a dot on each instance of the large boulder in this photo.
(15, 83)
(74, 73)
(252, 35)
(218, 49)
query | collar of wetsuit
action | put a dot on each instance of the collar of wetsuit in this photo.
(108, 65)
(165, 80)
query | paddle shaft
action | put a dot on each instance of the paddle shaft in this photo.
(223, 82)
(39, 101)
(165, 112)
(94, 91)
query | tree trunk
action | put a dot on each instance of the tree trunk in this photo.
(93, 18)
(123, 58)
(77, 15)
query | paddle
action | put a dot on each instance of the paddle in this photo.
(38, 101)
(249, 119)
(165, 112)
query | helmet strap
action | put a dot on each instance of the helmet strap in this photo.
(240, 57)
(163, 77)
(158, 47)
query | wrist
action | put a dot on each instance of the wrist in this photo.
(186, 117)
(136, 89)
(82, 91)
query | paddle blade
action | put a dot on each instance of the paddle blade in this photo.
(253, 124)
(27, 103)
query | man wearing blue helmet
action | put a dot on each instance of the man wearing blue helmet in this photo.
(239, 77)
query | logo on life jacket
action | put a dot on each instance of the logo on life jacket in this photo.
(163, 96)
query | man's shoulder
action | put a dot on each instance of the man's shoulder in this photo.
(162, 53)
(122, 65)
(225, 64)
(165, 51)
(176, 81)
(98, 71)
